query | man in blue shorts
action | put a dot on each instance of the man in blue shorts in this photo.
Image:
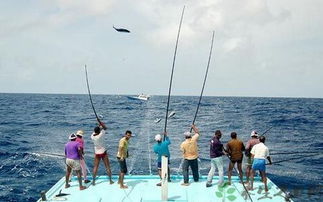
(260, 153)
(161, 149)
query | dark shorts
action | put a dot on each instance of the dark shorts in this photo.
(236, 161)
(101, 156)
(123, 165)
(159, 164)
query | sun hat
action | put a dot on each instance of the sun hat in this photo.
(188, 134)
(72, 136)
(80, 133)
(254, 134)
(158, 137)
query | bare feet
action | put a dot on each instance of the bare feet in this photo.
(185, 184)
(82, 187)
(111, 182)
(123, 187)
(229, 183)
(67, 186)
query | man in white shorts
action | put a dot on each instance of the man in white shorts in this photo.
(73, 155)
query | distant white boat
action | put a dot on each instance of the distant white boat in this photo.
(140, 97)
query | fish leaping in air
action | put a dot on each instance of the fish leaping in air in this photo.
(121, 29)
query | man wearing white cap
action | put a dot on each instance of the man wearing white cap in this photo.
(190, 154)
(252, 142)
(79, 135)
(161, 149)
(73, 155)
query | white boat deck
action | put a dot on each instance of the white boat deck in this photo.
(143, 188)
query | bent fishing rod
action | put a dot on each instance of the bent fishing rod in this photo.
(171, 77)
(88, 89)
(205, 77)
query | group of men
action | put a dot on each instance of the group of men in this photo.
(74, 152)
(255, 151)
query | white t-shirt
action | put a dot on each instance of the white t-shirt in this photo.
(260, 151)
(99, 143)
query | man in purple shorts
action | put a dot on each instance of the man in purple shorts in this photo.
(260, 153)
(73, 155)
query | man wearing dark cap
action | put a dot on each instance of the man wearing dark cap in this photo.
(73, 155)
(100, 151)
(260, 153)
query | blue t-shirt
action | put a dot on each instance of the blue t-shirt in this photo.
(162, 149)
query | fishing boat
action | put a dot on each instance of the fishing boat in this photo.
(143, 188)
(139, 97)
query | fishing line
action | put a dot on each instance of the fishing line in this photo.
(205, 77)
(88, 89)
(297, 153)
(291, 159)
(171, 77)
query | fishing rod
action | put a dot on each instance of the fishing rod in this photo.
(267, 130)
(171, 77)
(303, 152)
(88, 89)
(291, 159)
(241, 180)
(205, 77)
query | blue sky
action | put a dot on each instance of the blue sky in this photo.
(261, 48)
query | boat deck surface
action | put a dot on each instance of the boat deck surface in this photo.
(143, 188)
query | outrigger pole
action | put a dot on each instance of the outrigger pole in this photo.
(171, 77)
(205, 77)
(88, 89)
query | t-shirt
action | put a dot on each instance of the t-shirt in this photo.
(235, 148)
(189, 147)
(252, 142)
(81, 141)
(216, 147)
(123, 148)
(99, 143)
(71, 150)
(162, 149)
(260, 151)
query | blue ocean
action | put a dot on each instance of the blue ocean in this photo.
(35, 127)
